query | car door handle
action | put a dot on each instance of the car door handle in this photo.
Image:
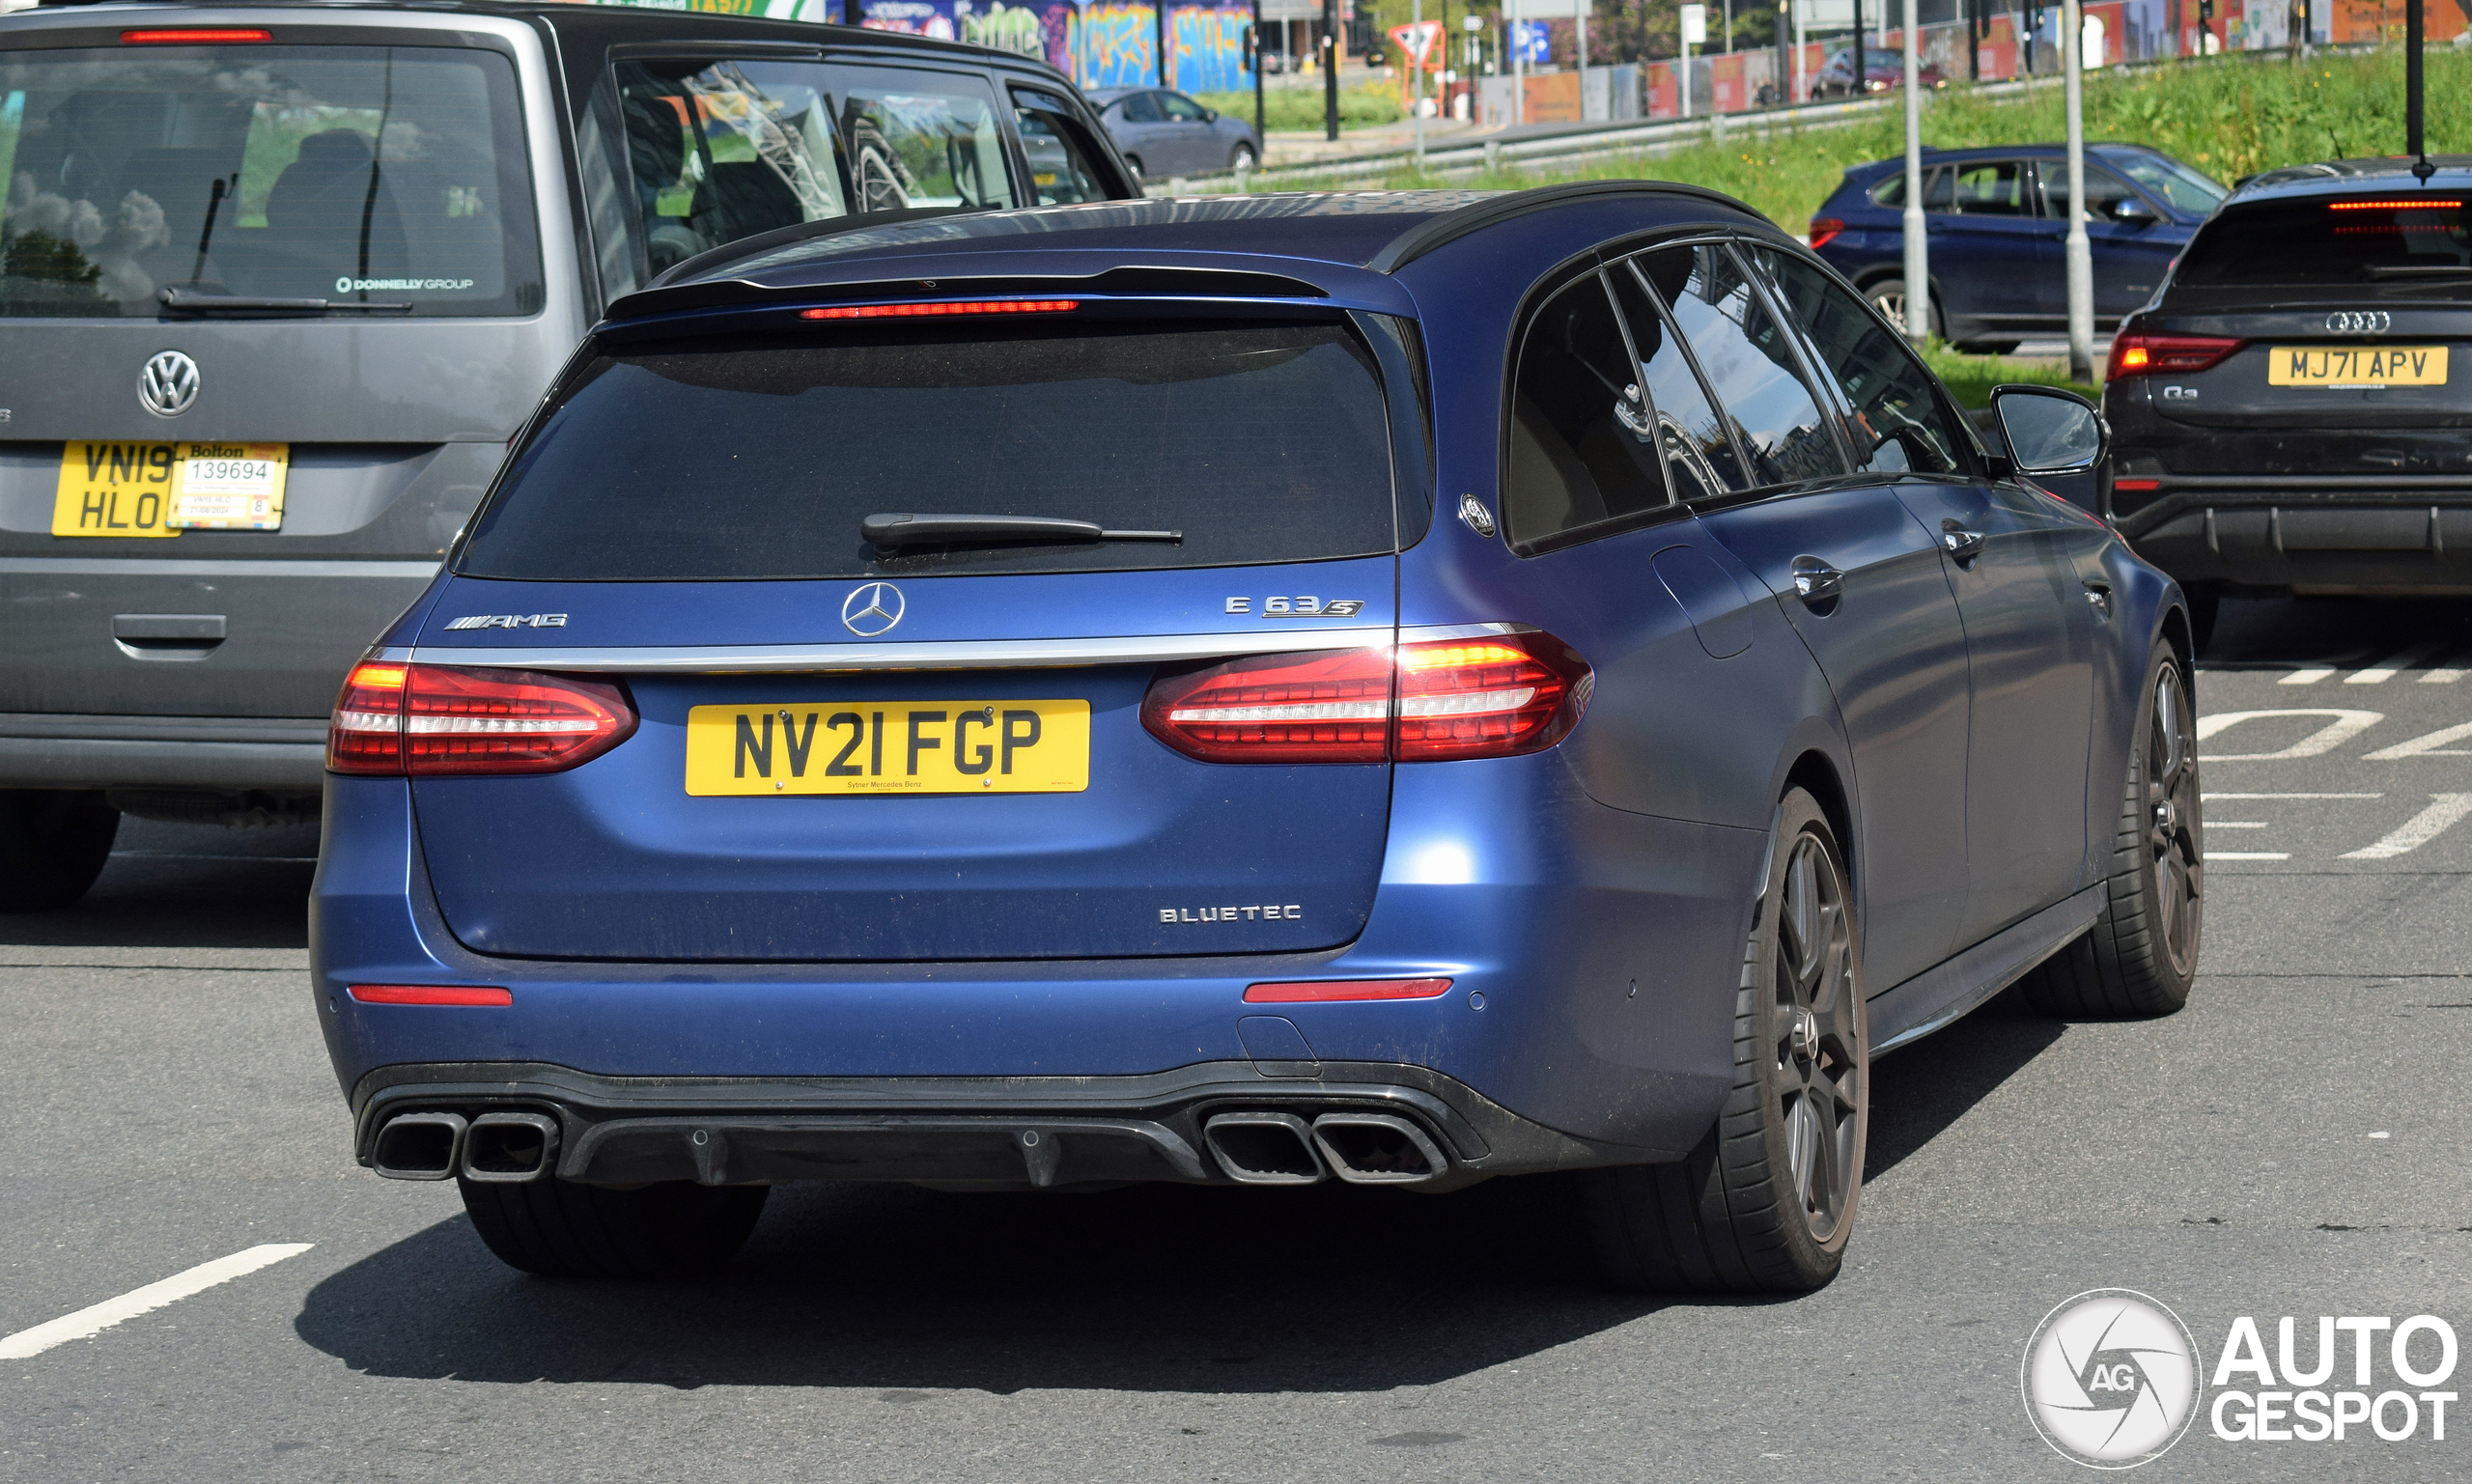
(2098, 597)
(1816, 583)
(1962, 544)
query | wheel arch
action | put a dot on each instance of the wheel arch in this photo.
(1815, 773)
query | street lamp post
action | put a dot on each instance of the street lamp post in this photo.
(1917, 249)
(2079, 256)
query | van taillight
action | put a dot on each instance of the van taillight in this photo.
(428, 721)
(1421, 702)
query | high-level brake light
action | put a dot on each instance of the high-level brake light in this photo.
(428, 721)
(2401, 204)
(942, 307)
(1422, 702)
(194, 36)
(2137, 356)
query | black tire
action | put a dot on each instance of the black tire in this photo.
(1242, 158)
(1766, 1201)
(559, 1229)
(1888, 297)
(2141, 955)
(54, 843)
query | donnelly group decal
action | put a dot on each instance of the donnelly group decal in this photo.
(2112, 1379)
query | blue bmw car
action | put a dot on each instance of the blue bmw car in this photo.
(1400, 687)
(1998, 221)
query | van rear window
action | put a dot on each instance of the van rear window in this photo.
(376, 175)
(759, 457)
(2406, 238)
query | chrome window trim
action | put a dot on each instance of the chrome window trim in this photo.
(939, 655)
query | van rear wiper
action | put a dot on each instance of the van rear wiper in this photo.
(190, 301)
(908, 530)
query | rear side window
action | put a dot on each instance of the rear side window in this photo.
(1700, 457)
(1898, 424)
(2348, 243)
(1062, 155)
(365, 173)
(718, 150)
(917, 138)
(1581, 446)
(1936, 187)
(1749, 360)
(755, 458)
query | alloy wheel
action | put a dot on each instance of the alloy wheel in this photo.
(2172, 850)
(1815, 1063)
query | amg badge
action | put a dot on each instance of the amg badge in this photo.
(509, 621)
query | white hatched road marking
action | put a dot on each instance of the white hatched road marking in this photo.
(96, 1318)
(2445, 810)
(2434, 744)
(2291, 795)
(2441, 676)
(2248, 854)
(2307, 676)
(2236, 825)
(2388, 668)
(2343, 726)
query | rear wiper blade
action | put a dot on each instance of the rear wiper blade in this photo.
(190, 302)
(908, 530)
(2420, 269)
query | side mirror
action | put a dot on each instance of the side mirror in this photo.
(2049, 431)
(1210, 115)
(2130, 211)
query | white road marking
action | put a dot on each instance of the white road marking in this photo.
(96, 1318)
(2444, 811)
(2308, 676)
(2434, 744)
(2248, 854)
(2441, 677)
(2387, 668)
(2234, 825)
(2346, 725)
(2291, 795)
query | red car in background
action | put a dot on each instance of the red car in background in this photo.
(1881, 72)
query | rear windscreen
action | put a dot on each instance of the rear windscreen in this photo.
(389, 175)
(758, 458)
(2397, 239)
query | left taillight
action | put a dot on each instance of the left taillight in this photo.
(1428, 701)
(427, 720)
(1825, 230)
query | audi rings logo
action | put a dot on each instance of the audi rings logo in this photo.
(2359, 322)
(872, 609)
(2111, 1378)
(167, 385)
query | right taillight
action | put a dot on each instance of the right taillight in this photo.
(2138, 356)
(1422, 702)
(427, 720)
(1824, 230)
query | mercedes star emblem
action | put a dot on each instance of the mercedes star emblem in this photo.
(872, 609)
(168, 385)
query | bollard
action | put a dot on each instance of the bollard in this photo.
(1493, 154)
(1243, 179)
(1175, 185)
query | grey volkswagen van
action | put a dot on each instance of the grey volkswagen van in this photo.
(277, 283)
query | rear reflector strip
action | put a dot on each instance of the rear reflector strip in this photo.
(945, 307)
(2135, 485)
(194, 36)
(430, 994)
(1306, 991)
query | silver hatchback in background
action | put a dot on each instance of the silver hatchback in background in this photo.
(278, 284)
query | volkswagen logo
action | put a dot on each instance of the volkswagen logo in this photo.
(2359, 322)
(2111, 1378)
(168, 385)
(872, 609)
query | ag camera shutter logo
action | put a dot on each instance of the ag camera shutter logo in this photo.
(2111, 1378)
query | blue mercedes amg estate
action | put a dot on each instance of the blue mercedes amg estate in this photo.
(1401, 687)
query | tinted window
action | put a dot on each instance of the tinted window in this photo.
(755, 458)
(1184, 110)
(718, 150)
(1992, 188)
(1936, 184)
(2320, 242)
(1898, 424)
(1058, 152)
(1580, 452)
(1141, 108)
(920, 139)
(2182, 187)
(2103, 191)
(1749, 360)
(369, 174)
(1699, 458)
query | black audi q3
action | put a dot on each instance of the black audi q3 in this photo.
(2292, 410)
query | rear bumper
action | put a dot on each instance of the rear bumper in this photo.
(981, 1132)
(50, 750)
(2306, 535)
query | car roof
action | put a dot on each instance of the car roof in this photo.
(1341, 244)
(2338, 176)
(1975, 152)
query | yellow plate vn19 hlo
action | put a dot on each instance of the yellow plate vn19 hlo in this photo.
(889, 747)
(139, 489)
(2351, 365)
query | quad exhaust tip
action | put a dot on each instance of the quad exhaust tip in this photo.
(418, 1146)
(1378, 1149)
(501, 1148)
(1264, 1148)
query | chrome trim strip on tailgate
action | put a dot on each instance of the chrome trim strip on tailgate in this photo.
(940, 655)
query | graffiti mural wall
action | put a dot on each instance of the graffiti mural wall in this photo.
(1103, 44)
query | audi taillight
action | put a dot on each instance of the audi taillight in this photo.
(1824, 230)
(2138, 356)
(1422, 702)
(428, 721)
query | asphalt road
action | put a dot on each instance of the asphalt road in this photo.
(2291, 1144)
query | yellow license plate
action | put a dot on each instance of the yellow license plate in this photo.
(2356, 366)
(889, 747)
(134, 488)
